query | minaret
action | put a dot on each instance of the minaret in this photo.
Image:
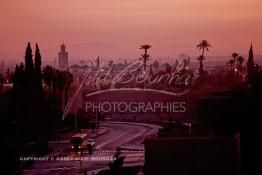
(63, 58)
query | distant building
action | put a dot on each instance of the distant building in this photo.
(63, 58)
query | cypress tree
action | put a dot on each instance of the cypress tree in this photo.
(38, 61)
(16, 77)
(38, 74)
(29, 94)
(29, 65)
(41, 121)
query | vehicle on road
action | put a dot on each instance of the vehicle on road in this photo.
(78, 142)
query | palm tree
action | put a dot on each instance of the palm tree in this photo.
(231, 63)
(236, 64)
(235, 55)
(240, 61)
(145, 56)
(48, 73)
(204, 45)
(69, 78)
(201, 66)
(55, 82)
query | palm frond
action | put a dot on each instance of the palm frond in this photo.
(145, 46)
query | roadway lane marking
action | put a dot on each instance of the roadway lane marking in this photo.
(105, 143)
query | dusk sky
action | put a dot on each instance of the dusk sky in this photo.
(116, 28)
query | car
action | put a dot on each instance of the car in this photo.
(78, 142)
(91, 142)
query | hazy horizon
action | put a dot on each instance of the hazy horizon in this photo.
(115, 29)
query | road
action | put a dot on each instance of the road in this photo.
(124, 135)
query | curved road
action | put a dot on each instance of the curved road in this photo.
(128, 135)
(122, 133)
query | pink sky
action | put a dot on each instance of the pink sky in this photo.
(171, 26)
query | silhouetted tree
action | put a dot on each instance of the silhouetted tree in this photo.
(38, 63)
(203, 45)
(186, 63)
(252, 68)
(231, 64)
(234, 55)
(55, 83)
(28, 91)
(48, 74)
(145, 56)
(236, 65)
(240, 61)
(17, 78)
(61, 82)
(29, 65)
(28, 95)
(38, 71)
(68, 81)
